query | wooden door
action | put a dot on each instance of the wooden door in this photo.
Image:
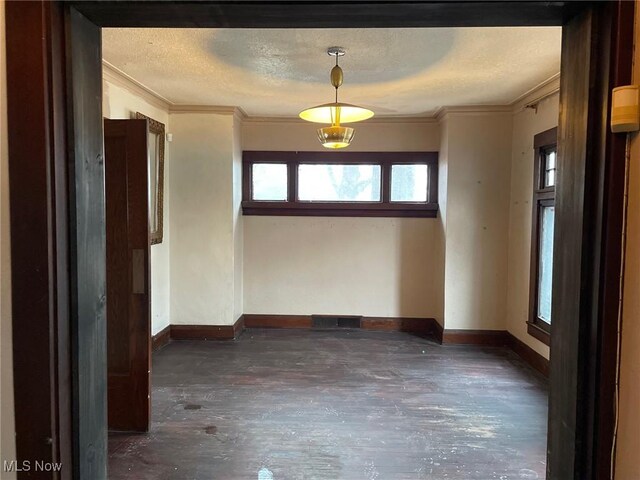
(128, 296)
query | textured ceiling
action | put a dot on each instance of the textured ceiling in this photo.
(392, 71)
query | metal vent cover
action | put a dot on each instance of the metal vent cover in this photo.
(335, 321)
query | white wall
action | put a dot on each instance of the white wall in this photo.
(349, 266)
(477, 219)
(238, 221)
(526, 124)
(357, 266)
(7, 441)
(204, 225)
(370, 136)
(121, 103)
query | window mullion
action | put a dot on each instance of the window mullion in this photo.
(292, 172)
(386, 182)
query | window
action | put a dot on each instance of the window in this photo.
(339, 183)
(269, 181)
(409, 183)
(543, 219)
(382, 184)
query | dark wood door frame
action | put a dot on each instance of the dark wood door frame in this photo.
(57, 214)
(597, 51)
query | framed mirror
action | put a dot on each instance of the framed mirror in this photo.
(155, 138)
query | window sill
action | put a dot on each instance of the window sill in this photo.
(539, 333)
(318, 209)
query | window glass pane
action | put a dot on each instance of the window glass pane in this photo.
(550, 178)
(409, 183)
(545, 263)
(551, 159)
(269, 181)
(339, 183)
(550, 168)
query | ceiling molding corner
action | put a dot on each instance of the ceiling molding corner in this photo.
(543, 90)
(115, 76)
(217, 109)
(471, 110)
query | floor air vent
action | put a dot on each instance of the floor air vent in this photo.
(329, 321)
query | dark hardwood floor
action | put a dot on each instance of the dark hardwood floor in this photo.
(361, 405)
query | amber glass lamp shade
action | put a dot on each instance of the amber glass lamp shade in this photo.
(335, 136)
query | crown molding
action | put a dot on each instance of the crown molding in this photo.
(119, 78)
(543, 90)
(115, 76)
(237, 112)
(471, 110)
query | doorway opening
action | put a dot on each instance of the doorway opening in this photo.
(584, 52)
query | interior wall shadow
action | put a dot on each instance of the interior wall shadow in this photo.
(421, 268)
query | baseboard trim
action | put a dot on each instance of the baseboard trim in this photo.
(488, 338)
(208, 332)
(529, 355)
(438, 331)
(202, 332)
(238, 327)
(276, 321)
(498, 338)
(418, 326)
(161, 338)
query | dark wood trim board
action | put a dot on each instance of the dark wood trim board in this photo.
(208, 332)
(418, 326)
(276, 321)
(487, 338)
(498, 338)
(318, 14)
(529, 355)
(161, 338)
(41, 279)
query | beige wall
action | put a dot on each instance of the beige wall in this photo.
(238, 221)
(345, 266)
(371, 136)
(527, 123)
(120, 103)
(7, 442)
(357, 266)
(204, 224)
(628, 441)
(478, 153)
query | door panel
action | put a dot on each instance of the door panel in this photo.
(128, 296)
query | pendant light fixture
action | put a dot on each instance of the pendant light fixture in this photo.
(336, 113)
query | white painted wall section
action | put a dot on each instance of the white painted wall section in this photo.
(203, 223)
(478, 165)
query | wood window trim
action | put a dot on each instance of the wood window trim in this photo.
(542, 197)
(384, 208)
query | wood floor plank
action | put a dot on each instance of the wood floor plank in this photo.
(338, 405)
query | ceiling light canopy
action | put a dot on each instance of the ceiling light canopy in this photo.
(336, 113)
